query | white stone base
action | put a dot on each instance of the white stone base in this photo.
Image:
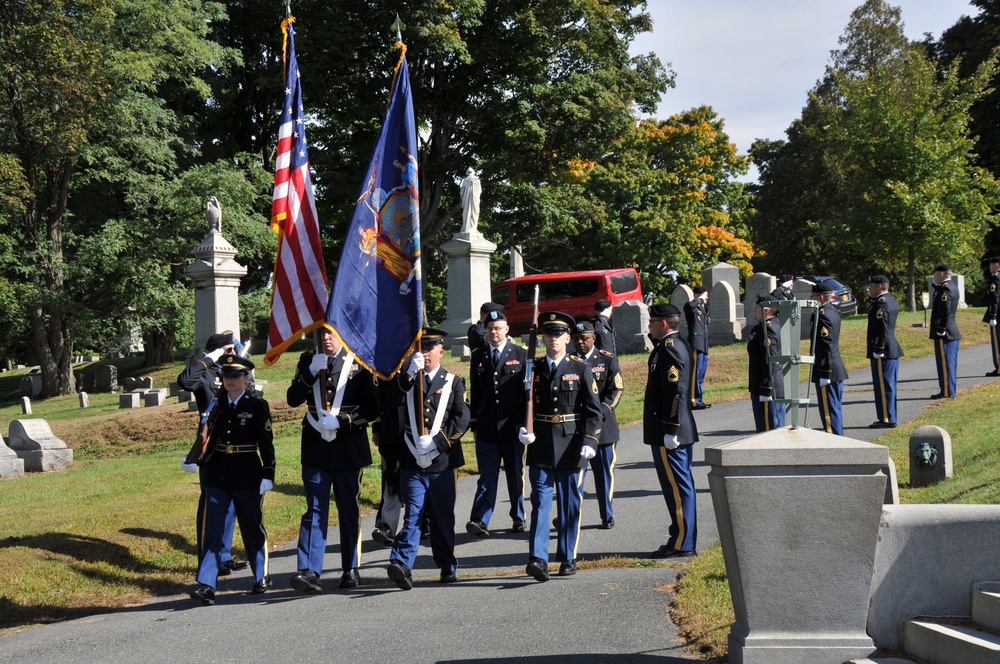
(11, 467)
(817, 649)
(39, 461)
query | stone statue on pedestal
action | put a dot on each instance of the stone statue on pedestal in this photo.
(471, 190)
(213, 212)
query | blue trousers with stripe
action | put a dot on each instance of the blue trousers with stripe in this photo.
(568, 485)
(767, 415)
(830, 399)
(995, 347)
(884, 375)
(249, 505)
(701, 367)
(603, 467)
(673, 468)
(427, 492)
(946, 359)
(346, 485)
(490, 455)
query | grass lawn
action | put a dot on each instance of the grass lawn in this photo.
(118, 526)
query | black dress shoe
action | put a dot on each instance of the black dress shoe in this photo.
(350, 578)
(477, 528)
(539, 569)
(567, 568)
(425, 532)
(400, 574)
(939, 395)
(234, 565)
(608, 524)
(668, 552)
(518, 526)
(993, 373)
(261, 586)
(204, 594)
(383, 535)
(701, 406)
(448, 576)
(307, 581)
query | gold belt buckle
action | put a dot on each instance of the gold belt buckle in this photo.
(229, 449)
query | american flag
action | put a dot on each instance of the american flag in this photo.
(299, 296)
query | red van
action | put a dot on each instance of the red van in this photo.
(573, 293)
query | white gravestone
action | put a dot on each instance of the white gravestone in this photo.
(84, 400)
(760, 283)
(156, 397)
(129, 400)
(725, 327)
(10, 464)
(681, 296)
(34, 443)
(25, 406)
(631, 320)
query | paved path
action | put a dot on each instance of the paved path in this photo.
(495, 614)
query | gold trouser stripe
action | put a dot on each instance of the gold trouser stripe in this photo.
(767, 416)
(204, 527)
(694, 379)
(678, 509)
(996, 346)
(357, 500)
(580, 475)
(825, 408)
(881, 382)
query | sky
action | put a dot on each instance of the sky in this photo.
(754, 61)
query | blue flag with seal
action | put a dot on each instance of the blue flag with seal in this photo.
(376, 304)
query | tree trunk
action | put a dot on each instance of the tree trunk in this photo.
(159, 347)
(911, 278)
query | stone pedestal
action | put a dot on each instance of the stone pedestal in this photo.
(933, 463)
(631, 319)
(10, 464)
(32, 441)
(216, 278)
(682, 295)
(468, 286)
(129, 400)
(156, 397)
(798, 514)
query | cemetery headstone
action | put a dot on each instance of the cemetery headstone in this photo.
(930, 456)
(84, 400)
(10, 464)
(129, 400)
(107, 378)
(25, 406)
(34, 443)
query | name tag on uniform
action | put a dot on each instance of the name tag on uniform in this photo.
(571, 377)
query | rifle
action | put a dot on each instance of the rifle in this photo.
(529, 367)
(199, 448)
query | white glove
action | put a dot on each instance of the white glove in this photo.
(188, 467)
(993, 322)
(763, 399)
(525, 437)
(318, 363)
(266, 485)
(823, 382)
(425, 444)
(417, 361)
(670, 441)
(942, 333)
(587, 453)
(216, 354)
(878, 356)
(328, 421)
(607, 312)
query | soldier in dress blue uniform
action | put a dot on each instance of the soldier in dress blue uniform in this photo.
(766, 384)
(610, 385)
(477, 331)
(202, 378)
(567, 429)
(696, 315)
(992, 310)
(669, 429)
(238, 469)
(604, 329)
(883, 350)
(784, 290)
(429, 460)
(944, 331)
(829, 373)
(496, 398)
(387, 435)
(335, 451)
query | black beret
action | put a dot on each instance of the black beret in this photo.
(995, 259)
(944, 267)
(432, 336)
(879, 279)
(822, 287)
(787, 277)
(556, 322)
(495, 315)
(234, 365)
(220, 340)
(583, 327)
(601, 305)
(490, 306)
(698, 290)
(663, 310)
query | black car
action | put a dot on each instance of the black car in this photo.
(843, 296)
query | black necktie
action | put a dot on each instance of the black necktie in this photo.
(496, 358)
